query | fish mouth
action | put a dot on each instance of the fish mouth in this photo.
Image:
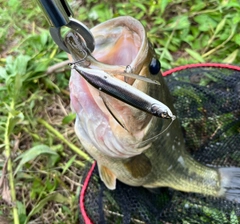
(112, 126)
(121, 47)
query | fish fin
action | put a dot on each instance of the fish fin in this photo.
(139, 166)
(107, 176)
(230, 183)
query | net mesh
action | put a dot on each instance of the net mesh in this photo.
(207, 100)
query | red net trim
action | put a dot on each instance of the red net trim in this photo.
(216, 65)
(82, 194)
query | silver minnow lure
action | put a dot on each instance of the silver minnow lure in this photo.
(124, 92)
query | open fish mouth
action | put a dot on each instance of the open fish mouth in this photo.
(124, 49)
(115, 111)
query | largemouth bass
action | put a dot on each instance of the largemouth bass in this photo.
(128, 143)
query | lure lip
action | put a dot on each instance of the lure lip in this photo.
(124, 92)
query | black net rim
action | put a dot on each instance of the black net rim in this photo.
(84, 188)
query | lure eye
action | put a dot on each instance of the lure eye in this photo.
(164, 114)
(154, 66)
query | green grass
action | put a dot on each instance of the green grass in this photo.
(41, 158)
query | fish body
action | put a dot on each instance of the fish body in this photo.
(123, 139)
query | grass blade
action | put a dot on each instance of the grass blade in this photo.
(32, 153)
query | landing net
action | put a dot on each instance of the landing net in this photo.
(207, 100)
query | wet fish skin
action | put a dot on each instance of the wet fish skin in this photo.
(124, 151)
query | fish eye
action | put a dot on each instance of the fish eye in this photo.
(154, 66)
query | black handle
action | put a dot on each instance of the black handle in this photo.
(57, 12)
